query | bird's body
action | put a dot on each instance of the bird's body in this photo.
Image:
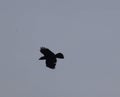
(50, 57)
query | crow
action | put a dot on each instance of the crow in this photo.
(50, 57)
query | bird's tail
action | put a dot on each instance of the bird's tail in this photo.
(59, 55)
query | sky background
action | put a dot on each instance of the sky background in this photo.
(87, 32)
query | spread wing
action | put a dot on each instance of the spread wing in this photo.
(46, 51)
(59, 55)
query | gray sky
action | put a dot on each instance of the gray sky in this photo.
(87, 32)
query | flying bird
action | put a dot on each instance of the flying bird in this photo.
(50, 57)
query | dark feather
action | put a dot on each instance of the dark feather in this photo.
(50, 64)
(42, 58)
(59, 55)
(50, 57)
(46, 51)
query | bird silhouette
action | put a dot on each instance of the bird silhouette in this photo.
(50, 57)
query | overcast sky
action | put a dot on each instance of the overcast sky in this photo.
(87, 32)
